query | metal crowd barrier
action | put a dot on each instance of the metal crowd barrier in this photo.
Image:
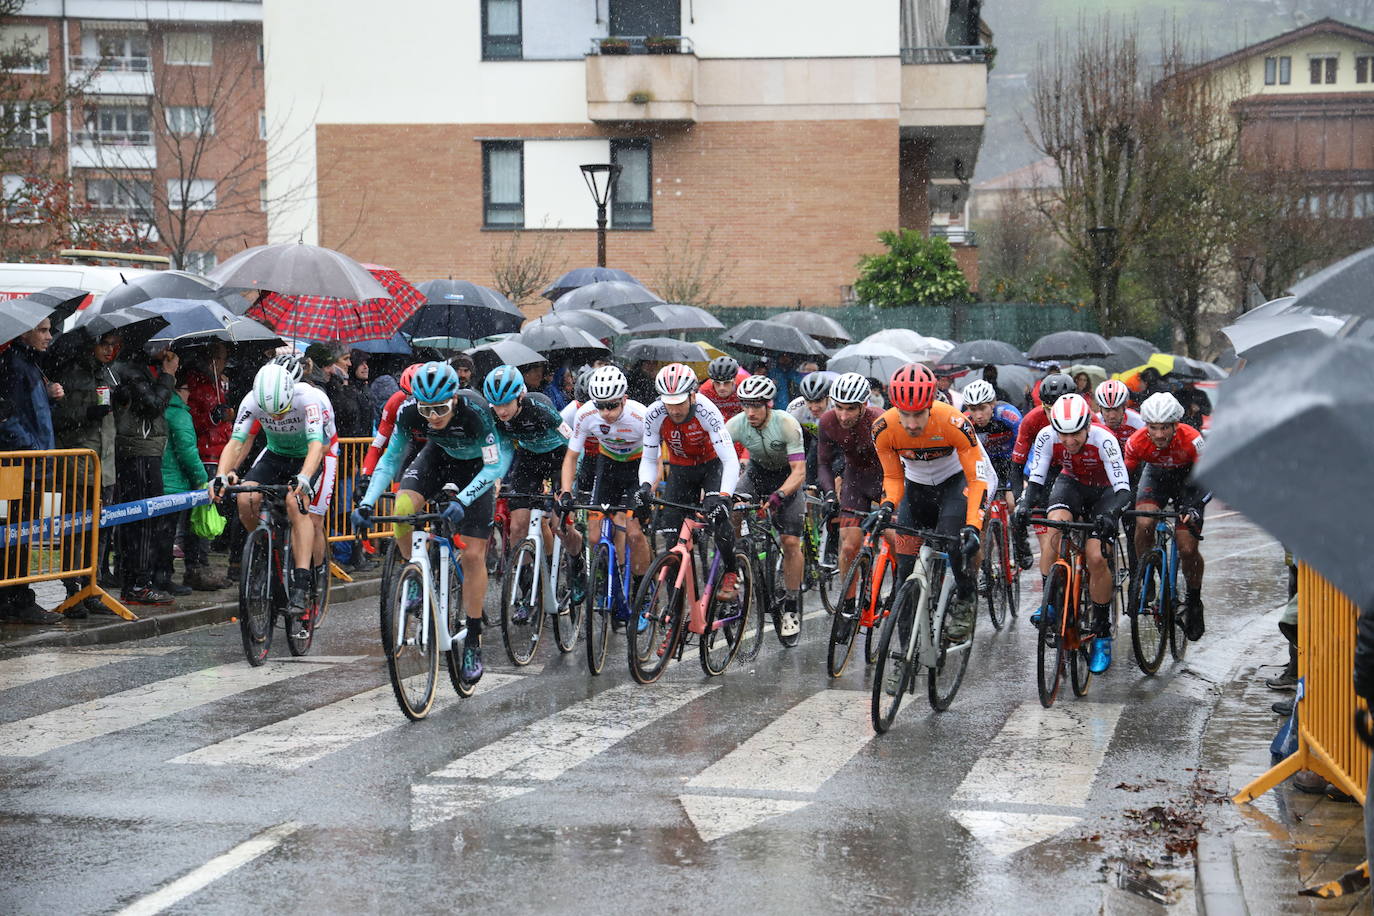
(337, 526)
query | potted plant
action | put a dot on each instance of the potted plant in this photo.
(614, 46)
(662, 44)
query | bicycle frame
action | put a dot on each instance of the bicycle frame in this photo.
(687, 577)
(419, 554)
(927, 623)
(1074, 560)
(617, 598)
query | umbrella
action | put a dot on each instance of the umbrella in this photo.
(62, 300)
(584, 276)
(1130, 351)
(1319, 395)
(1201, 369)
(1272, 309)
(755, 336)
(918, 347)
(1014, 379)
(605, 293)
(1069, 345)
(458, 309)
(19, 316)
(1096, 374)
(164, 284)
(562, 339)
(297, 269)
(1341, 289)
(311, 317)
(597, 324)
(134, 324)
(1257, 338)
(664, 350)
(508, 352)
(982, 353)
(819, 327)
(666, 319)
(872, 360)
(201, 320)
(396, 343)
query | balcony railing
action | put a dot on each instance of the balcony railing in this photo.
(114, 137)
(951, 54)
(643, 44)
(955, 235)
(113, 64)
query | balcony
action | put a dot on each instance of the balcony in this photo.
(113, 75)
(944, 103)
(113, 150)
(632, 78)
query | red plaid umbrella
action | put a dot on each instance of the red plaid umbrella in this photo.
(342, 320)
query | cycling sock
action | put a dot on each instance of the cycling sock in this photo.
(905, 565)
(301, 578)
(1194, 595)
(1102, 618)
(792, 594)
(474, 627)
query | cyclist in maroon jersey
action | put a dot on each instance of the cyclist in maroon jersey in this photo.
(846, 431)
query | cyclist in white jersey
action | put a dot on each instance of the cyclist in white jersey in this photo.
(301, 451)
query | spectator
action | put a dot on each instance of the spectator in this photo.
(990, 376)
(1196, 404)
(641, 379)
(212, 416)
(140, 404)
(946, 393)
(464, 366)
(564, 381)
(877, 394)
(84, 418)
(759, 366)
(28, 427)
(182, 472)
(808, 366)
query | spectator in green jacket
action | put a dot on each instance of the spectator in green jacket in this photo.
(182, 472)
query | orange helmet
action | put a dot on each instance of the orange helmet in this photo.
(912, 387)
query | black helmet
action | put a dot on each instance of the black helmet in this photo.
(723, 368)
(1054, 387)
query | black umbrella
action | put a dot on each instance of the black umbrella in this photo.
(664, 350)
(668, 318)
(597, 324)
(19, 316)
(549, 339)
(1130, 352)
(1069, 345)
(458, 309)
(135, 324)
(604, 294)
(756, 336)
(297, 269)
(1320, 395)
(982, 353)
(62, 300)
(584, 276)
(816, 326)
(501, 353)
(164, 284)
(201, 321)
(1341, 289)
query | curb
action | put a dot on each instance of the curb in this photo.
(176, 621)
(1217, 878)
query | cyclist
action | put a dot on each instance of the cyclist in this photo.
(1092, 484)
(384, 429)
(935, 468)
(463, 447)
(777, 470)
(302, 451)
(807, 408)
(1112, 397)
(845, 433)
(996, 424)
(612, 456)
(721, 388)
(1052, 387)
(703, 466)
(1168, 449)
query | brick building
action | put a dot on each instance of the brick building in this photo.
(792, 132)
(168, 129)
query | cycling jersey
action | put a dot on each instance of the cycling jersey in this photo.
(384, 427)
(1181, 452)
(854, 443)
(619, 440)
(310, 419)
(1129, 424)
(469, 435)
(1098, 463)
(697, 440)
(773, 446)
(537, 426)
(809, 421)
(999, 435)
(945, 447)
(1032, 423)
(728, 406)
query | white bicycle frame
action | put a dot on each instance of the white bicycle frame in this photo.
(925, 628)
(419, 555)
(544, 585)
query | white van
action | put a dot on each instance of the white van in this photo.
(18, 280)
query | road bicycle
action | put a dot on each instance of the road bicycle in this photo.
(673, 606)
(764, 547)
(914, 635)
(264, 580)
(866, 594)
(609, 580)
(423, 615)
(498, 542)
(1154, 605)
(821, 550)
(1000, 581)
(535, 589)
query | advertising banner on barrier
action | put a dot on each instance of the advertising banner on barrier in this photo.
(118, 514)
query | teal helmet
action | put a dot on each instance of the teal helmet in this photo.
(503, 385)
(434, 382)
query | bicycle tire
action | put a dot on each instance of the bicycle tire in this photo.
(453, 655)
(496, 552)
(412, 666)
(1049, 651)
(859, 576)
(257, 617)
(659, 601)
(718, 646)
(826, 575)
(1149, 623)
(1080, 675)
(995, 574)
(943, 681)
(299, 646)
(391, 562)
(757, 621)
(566, 624)
(887, 593)
(521, 637)
(883, 709)
(600, 606)
(1178, 636)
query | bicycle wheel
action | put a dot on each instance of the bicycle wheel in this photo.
(522, 613)
(859, 578)
(1150, 624)
(255, 597)
(496, 551)
(1178, 637)
(300, 645)
(752, 638)
(456, 619)
(887, 593)
(600, 606)
(658, 602)
(1080, 675)
(567, 616)
(994, 574)
(412, 664)
(725, 622)
(1049, 652)
(825, 573)
(896, 659)
(775, 562)
(942, 681)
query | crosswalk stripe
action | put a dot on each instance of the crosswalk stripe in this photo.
(140, 705)
(307, 737)
(25, 669)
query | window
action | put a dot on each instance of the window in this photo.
(199, 262)
(190, 119)
(190, 48)
(191, 193)
(130, 125)
(262, 53)
(19, 206)
(1278, 71)
(500, 29)
(24, 124)
(1322, 69)
(1364, 69)
(132, 197)
(119, 50)
(503, 184)
(24, 49)
(632, 201)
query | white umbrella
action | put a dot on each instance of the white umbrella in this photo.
(917, 346)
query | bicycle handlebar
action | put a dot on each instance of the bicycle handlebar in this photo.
(1142, 513)
(604, 508)
(1066, 525)
(914, 532)
(278, 490)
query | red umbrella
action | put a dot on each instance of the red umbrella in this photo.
(343, 320)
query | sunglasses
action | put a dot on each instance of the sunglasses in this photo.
(609, 405)
(435, 410)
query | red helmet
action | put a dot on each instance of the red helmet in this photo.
(1070, 414)
(1112, 393)
(407, 375)
(912, 387)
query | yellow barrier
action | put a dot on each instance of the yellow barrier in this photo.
(53, 485)
(337, 526)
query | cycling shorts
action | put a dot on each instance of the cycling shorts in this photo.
(272, 469)
(859, 492)
(685, 484)
(585, 480)
(1159, 485)
(433, 468)
(760, 482)
(1081, 499)
(942, 507)
(616, 482)
(534, 472)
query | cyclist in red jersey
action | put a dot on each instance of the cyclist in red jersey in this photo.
(722, 385)
(1050, 389)
(846, 431)
(1112, 397)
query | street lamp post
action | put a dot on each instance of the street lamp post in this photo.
(1103, 240)
(600, 178)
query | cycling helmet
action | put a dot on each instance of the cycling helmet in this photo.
(816, 385)
(723, 368)
(434, 382)
(911, 388)
(607, 384)
(674, 383)
(274, 388)
(580, 392)
(757, 388)
(1111, 393)
(979, 392)
(1161, 407)
(293, 365)
(1070, 414)
(1053, 387)
(503, 385)
(850, 388)
(407, 375)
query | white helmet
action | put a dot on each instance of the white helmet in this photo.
(1111, 394)
(274, 388)
(1161, 407)
(757, 388)
(675, 383)
(850, 388)
(979, 392)
(607, 383)
(1070, 414)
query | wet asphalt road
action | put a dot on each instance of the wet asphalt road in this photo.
(170, 776)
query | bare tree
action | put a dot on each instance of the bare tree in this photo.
(693, 269)
(1016, 250)
(523, 267)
